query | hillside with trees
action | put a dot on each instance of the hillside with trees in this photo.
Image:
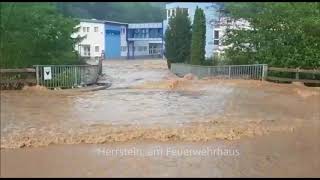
(130, 12)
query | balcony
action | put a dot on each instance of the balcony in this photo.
(145, 34)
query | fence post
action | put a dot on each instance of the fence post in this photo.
(264, 71)
(100, 66)
(229, 72)
(297, 74)
(76, 75)
(37, 74)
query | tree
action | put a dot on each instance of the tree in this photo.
(169, 45)
(281, 34)
(178, 38)
(198, 41)
(129, 12)
(35, 33)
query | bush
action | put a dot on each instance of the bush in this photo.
(35, 34)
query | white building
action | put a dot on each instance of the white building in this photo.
(220, 29)
(93, 43)
(119, 40)
(211, 15)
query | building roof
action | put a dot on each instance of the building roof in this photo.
(115, 22)
(91, 20)
(147, 24)
(100, 21)
(193, 5)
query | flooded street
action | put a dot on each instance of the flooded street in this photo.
(275, 127)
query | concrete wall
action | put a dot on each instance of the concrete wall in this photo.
(90, 74)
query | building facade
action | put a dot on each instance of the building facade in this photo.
(93, 43)
(221, 27)
(211, 14)
(118, 40)
(145, 40)
(115, 38)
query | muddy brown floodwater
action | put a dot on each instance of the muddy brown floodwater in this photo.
(274, 128)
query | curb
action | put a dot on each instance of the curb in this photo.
(88, 88)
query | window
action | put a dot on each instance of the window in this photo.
(168, 13)
(144, 33)
(145, 48)
(140, 48)
(216, 42)
(96, 48)
(154, 48)
(124, 48)
(123, 30)
(216, 34)
(84, 29)
(172, 12)
(88, 29)
(184, 10)
(86, 50)
(95, 29)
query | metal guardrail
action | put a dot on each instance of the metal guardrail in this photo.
(313, 71)
(22, 70)
(66, 76)
(254, 71)
(297, 75)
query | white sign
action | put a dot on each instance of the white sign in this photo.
(47, 73)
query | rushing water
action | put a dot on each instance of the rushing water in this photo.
(31, 117)
(147, 104)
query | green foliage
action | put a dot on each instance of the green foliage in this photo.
(282, 34)
(198, 38)
(35, 33)
(169, 46)
(178, 38)
(214, 61)
(130, 12)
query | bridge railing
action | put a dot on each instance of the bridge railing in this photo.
(66, 76)
(295, 75)
(252, 71)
